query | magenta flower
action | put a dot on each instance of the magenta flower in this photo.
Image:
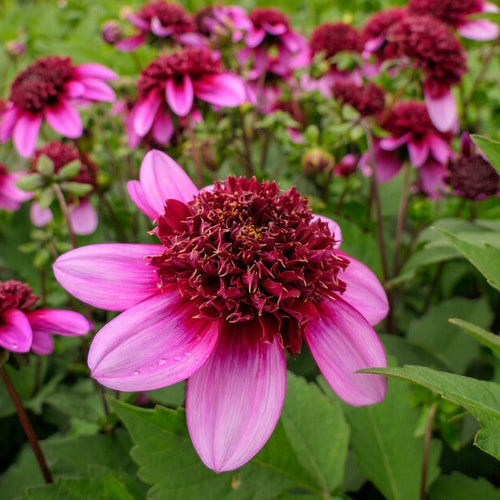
(272, 45)
(82, 215)
(23, 328)
(11, 196)
(428, 149)
(430, 46)
(221, 22)
(170, 84)
(241, 273)
(49, 88)
(157, 20)
(456, 13)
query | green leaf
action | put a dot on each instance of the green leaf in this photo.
(460, 487)
(69, 170)
(30, 182)
(382, 437)
(76, 188)
(45, 166)
(45, 197)
(169, 462)
(433, 332)
(317, 431)
(490, 148)
(481, 398)
(486, 258)
(486, 338)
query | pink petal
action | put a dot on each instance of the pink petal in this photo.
(432, 175)
(333, 227)
(59, 322)
(131, 43)
(112, 276)
(364, 291)
(25, 133)
(442, 110)
(159, 30)
(163, 127)
(138, 196)
(93, 70)
(43, 343)
(234, 401)
(418, 152)
(8, 120)
(154, 344)
(137, 21)
(180, 95)
(223, 89)
(341, 342)
(15, 331)
(387, 165)
(144, 113)
(83, 218)
(64, 118)
(479, 29)
(97, 90)
(440, 148)
(275, 29)
(74, 89)
(162, 178)
(255, 37)
(393, 143)
(40, 216)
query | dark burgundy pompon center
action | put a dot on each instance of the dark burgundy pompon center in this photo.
(16, 295)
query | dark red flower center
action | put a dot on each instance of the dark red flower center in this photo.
(262, 17)
(16, 295)
(332, 38)
(246, 251)
(195, 62)
(432, 46)
(169, 14)
(367, 99)
(3, 169)
(62, 153)
(472, 177)
(41, 84)
(410, 116)
(452, 12)
(378, 24)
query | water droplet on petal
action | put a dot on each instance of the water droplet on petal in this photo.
(177, 358)
(14, 345)
(137, 372)
(162, 361)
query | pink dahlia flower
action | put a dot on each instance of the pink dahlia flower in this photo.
(272, 45)
(82, 215)
(11, 196)
(49, 88)
(171, 83)
(241, 273)
(432, 47)
(219, 23)
(456, 13)
(158, 20)
(428, 149)
(23, 328)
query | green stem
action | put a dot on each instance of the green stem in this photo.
(403, 204)
(65, 211)
(249, 170)
(427, 449)
(28, 429)
(196, 157)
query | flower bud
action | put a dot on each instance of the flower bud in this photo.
(317, 160)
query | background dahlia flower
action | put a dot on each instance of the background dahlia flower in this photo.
(24, 328)
(49, 89)
(11, 196)
(242, 272)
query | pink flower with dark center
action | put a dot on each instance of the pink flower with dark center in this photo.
(375, 32)
(24, 328)
(346, 166)
(158, 20)
(82, 215)
(272, 45)
(49, 88)
(431, 46)
(220, 23)
(11, 196)
(367, 99)
(471, 175)
(456, 13)
(428, 149)
(170, 84)
(242, 272)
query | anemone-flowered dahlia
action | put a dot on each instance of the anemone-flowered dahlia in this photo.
(11, 196)
(172, 81)
(272, 44)
(367, 99)
(81, 213)
(24, 328)
(49, 88)
(456, 13)
(428, 149)
(242, 271)
(432, 47)
(158, 20)
(223, 22)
